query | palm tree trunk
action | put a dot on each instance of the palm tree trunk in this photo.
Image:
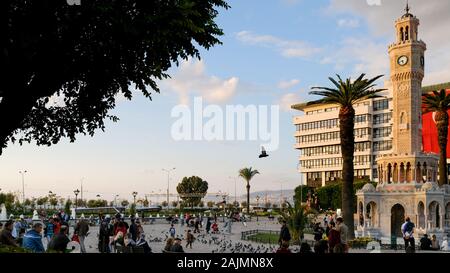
(346, 119)
(442, 126)
(248, 197)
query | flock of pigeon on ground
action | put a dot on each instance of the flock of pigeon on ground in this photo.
(221, 244)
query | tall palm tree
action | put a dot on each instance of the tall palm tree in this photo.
(247, 174)
(346, 94)
(439, 102)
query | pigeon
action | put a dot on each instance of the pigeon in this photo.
(263, 153)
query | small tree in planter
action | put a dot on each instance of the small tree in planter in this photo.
(296, 218)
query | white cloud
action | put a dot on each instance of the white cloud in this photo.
(288, 84)
(287, 100)
(348, 23)
(192, 79)
(287, 48)
(364, 55)
(434, 26)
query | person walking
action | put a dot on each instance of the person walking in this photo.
(408, 234)
(33, 239)
(82, 230)
(6, 237)
(343, 232)
(285, 235)
(189, 238)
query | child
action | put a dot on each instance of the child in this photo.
(189, 238)
(172, 231)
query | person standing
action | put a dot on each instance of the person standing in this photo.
(285, 235)
(408, 234)
(33, 239)
(133, 229)
(106, 231)
(334, 238)
(82, 230)
(343, 233)
(208, 224)
(49, 230)
(318, 232)
(172, 231)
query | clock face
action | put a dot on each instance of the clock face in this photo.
(422, 61)
(402, 60)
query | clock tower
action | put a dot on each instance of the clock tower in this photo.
(407, 163)
(407, 61)
(407, 176)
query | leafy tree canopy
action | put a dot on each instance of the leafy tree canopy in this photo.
(192, 190)
(63, 66)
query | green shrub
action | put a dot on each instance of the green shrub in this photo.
(330, 197)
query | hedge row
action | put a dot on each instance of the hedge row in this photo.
(330, 197)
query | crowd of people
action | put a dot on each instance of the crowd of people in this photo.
(55, 230)
(335, 241)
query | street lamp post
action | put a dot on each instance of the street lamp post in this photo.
(115, 199)
(76, 192)
(168, 178)
(23, 184)
(257, 205)
(134, 196)
(235, 194)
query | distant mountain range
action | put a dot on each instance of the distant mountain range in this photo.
(272, 196)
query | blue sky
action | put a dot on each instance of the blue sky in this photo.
(273, 51)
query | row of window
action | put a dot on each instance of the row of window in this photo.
(360, 132)
(385, 145)
(381, 105)
(382, 118)
(322, 110)
(329, 123)
(333, 162)
(382, 132)
(334, 175)
(333, 149)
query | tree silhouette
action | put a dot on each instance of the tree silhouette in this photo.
(63, 66)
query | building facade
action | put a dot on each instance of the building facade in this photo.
(395, 155)
(317, 136)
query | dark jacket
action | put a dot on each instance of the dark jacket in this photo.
(59, 242)
(82, 228)
(425, 243)
(176, 248)
(285, 235)
(6, 238)
(318, 233)
(33, 241)
(133, 230)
